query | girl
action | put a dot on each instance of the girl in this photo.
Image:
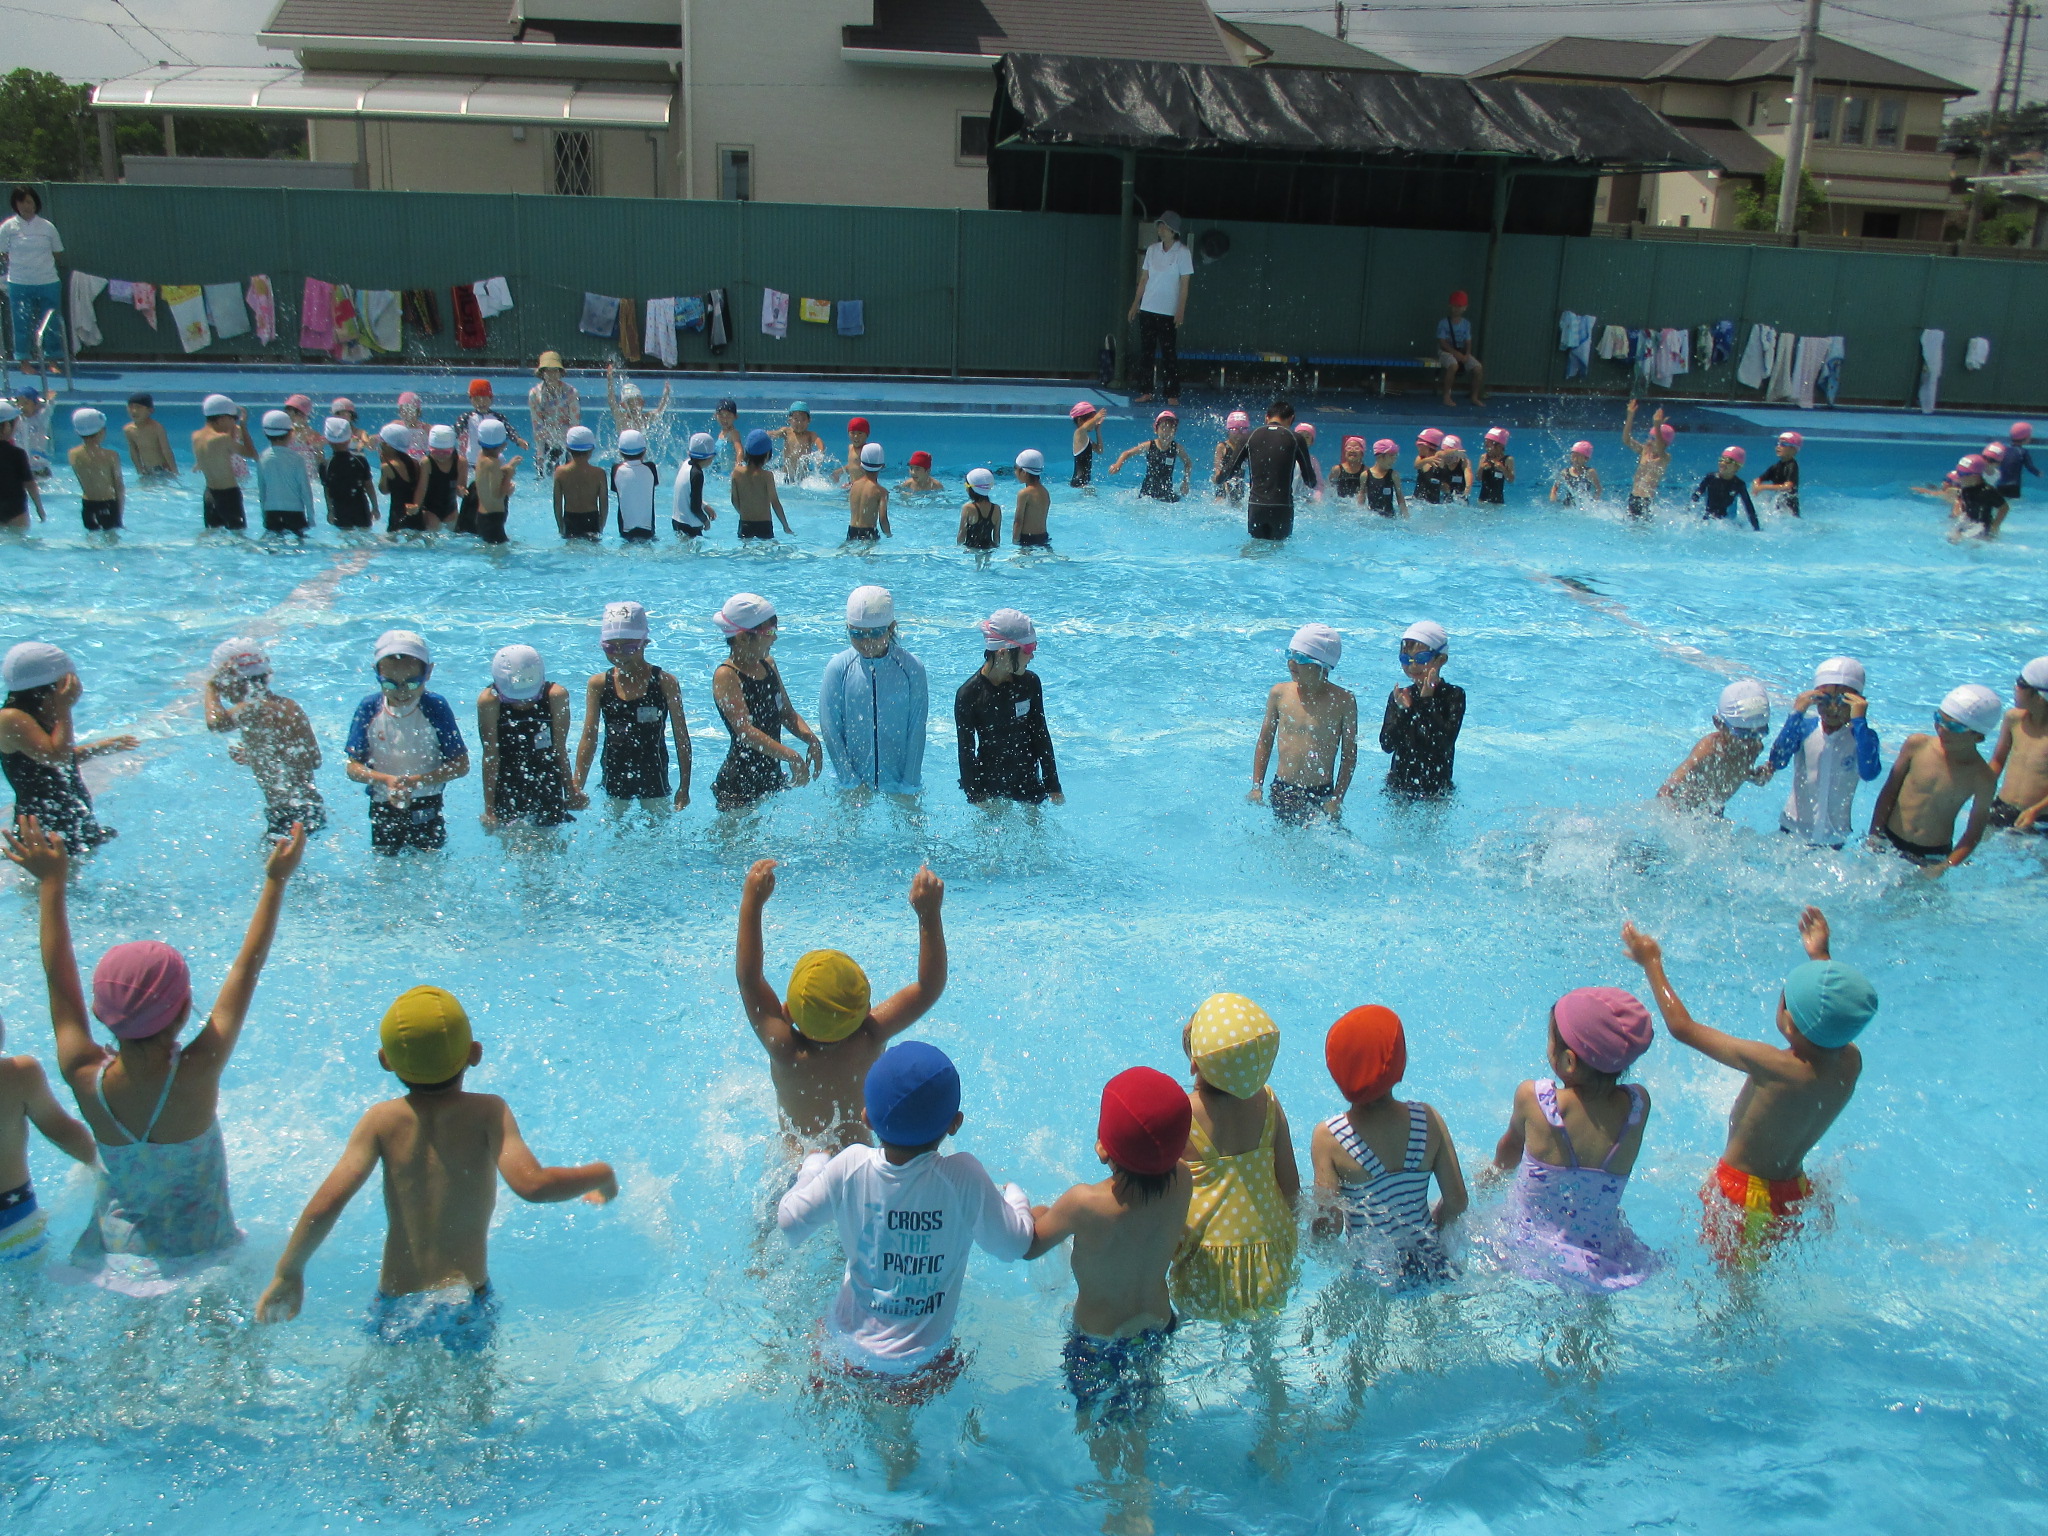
(755, 706)
(1088, 419)
(414, 423)
(1496, 469)
(1427, 487)
(1571, 1142)
(999, 717)
(17, 476)
(981, 520)
(38, 749)
(397, 478)
(1380, 486)
(1161, 454)
(633, 702)
(523, 722)
(1578, 479)
(359, 440)
(630, 410)
(1457, 466)
(1237, 426)
(1347, 479)
(443, 475)
(1307, 434)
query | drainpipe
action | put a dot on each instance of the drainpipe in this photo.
(1126, 242)
(686, 108)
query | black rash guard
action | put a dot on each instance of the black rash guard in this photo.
(1275, 454)
(1722, 492)
(1423, 739)
(1005, 744)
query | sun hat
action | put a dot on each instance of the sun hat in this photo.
(1319, 643)
(549, 359)
(580, 440)
(1830, 1002)
(623, 621)
(743, 613)
(912, 1094)
(240, 656)
(828, 995)
(140, 989)
(1144, 1121)
(337, 429)
(1232, 1042)
(870, 608)
(1605, 1027)
(1170, 219)
(518, 674)
(32, 664)
(1367, 1053)
(425, 1036)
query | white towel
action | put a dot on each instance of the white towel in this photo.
(774, 313)
(661, 331)
(501, 295)
(1813, 353)
(1784, 370)
(1614, 343)
(187, 304)
(1977, 353)
(383, 318)
(1931, 343)
(224, 307)
(85, 325)
(485, 309)
(1757, 357)
(1667, 357)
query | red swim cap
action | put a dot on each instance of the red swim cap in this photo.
(1367, 1053)
(920, 460)
(1145, 1121)
(859, 424)
(1458, 298)
(480, 386)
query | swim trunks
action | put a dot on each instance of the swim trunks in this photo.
(100, 516)
(858, 535)
(684, 530)
(1297, 804)
(1265, 522)
(907, 1391)
(21, 1227)
(582, 525)
(223, 508)
(288, 521)
(1639, 506)
(2005, 814)
(1919, 853)
(310, 814)
(637, 535)
(1745, 1216)
(490, 527)
(418, 825)
(764, 529)
(460, 1320)
(1034, 541)
(1116, 1380)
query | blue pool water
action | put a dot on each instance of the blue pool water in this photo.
(653, 1373)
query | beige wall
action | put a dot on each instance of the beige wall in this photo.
(479, 157)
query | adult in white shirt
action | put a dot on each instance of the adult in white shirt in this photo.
(30, 244)
(1160, 306)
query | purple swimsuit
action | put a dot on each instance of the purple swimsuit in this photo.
(1565, 1224)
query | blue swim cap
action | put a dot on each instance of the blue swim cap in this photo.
(1830, 1002)
(759, 442)
(912, 1094)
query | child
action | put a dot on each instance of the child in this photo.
(857, 434)
(1314, 723)
(1311, 467)
(286, 493)
(1724, 488)
(921, 479)
(443, 477)
(1162, 452)
(345, 408)
(1789, 1096)
(1831, 760)
(1934, 777)
(469, 437)
(1456, 467)
(298, 410)
(34, 431)
(747, 688)
(691, 518)
(1721, 761)
(162, 1202)
(1271, 458)
(1422, 720)
(1034, 503)
(1087, 418)
(629, 406)
(494, 481)
(1782, 474)
(1496, 468)
(867, 499)
(149, 445)
(2022, 753)
(442, 1151)
(633, 702)
(1237, 431)
(522, 721)
(398, 478)
(1577, 478)
(277, 745)
(824, 1038)
(727, 417)
(1379, 488)
(1236, 1256)
(38, 749)
(1373, 1163)
(404, 740)
(411, 417)
(801, 447)
(222, 439)
(999, 719)
(1653, 457)
(25, 1100)
(98, 470)
(634, 482)
(1125, 1230)
(1571, 1144)
(1347, 479)
(755, 501)
(2018, 461)
(1979, 510)
(981, 520)
(345, 478)
(580, 488)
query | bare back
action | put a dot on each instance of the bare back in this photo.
(282, 751)
(753, 493)
(149, 447)
(439, 1153)
(1034, 501)
(866, 501)
(1122, 1246)
(1595, 1120)
(819, 1086)
(2026, 760)
(1778, 1119)
(580, 488)
(214, 453)
(1719, 765)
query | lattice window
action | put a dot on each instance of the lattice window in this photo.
(575, 165)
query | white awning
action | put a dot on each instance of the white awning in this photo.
(324, 93)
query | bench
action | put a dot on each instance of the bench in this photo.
(1382, 364)
(1221, 359)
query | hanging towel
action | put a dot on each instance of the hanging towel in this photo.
(263, 308)
(1784, 383)
(721, 332)
(348, 335)
(1678, 344)
(774, 313)
(120, 291)
(145, 302)
(1977, 353)
(1813, 352)
(85, 325)
(1831, 370)
(689, 313)
(316, 317)
(421, 310)
(1703, 347)
(1666, 356)
(226, 311)
(383, 323)
(187, 305)
(1755, 366)
(1614, 343)
(1931, 344)
(629, 331)
(661, 330)
(816, 311)
(1724, 342)
(501, 295)
(1575, 340)
(468, 317)
(853, 317)
(600, 315)
(484, 306)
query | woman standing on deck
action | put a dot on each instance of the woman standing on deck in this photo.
(31, 245)
(555, 408)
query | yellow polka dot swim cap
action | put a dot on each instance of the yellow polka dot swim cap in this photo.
(1232, 1042)
(425, 1036)
(828, 995)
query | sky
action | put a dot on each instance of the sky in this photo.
(100, 39)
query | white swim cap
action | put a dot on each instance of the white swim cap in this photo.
(981, 480)
(1745, 705)
(32, 664)
(1975, 707)
(1319, 643)
(276, 424)
(337, 430)
(1839, 671)
(1008, 630)
(395, 434)
(239, 656)
(85, 421)
(9, 412)
(403, 642)
(579, 440)
(1428, 634)
(703, 445)
(743, 611)
(1031, 461)
(491, 432)
(518, 673)
(870, 608)
(623, 621)
(632, 444)
(216, 405)
(2035, 674)
(628, 390)
(441, 439)
(872, 457)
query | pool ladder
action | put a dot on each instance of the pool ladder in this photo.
(41, 358)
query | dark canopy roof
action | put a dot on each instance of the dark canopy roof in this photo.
(1054, 100)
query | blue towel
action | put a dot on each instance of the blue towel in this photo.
(689, 313)
(1831, 370)
(850, 319)
(1575, 339)
(1724, 341)
(600, 316)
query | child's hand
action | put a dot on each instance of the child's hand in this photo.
(285, 854)
(1858, 705)
(1643, 949)
(281, 1299)
(68, 689)
(1256, 795)
(760, 881)
(39, 852)
(607, 1191)
(1813, 933)
(927, 891)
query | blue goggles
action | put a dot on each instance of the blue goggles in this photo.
(1953, 727)
(1307, 661)
(1421, 658)
(870, 634)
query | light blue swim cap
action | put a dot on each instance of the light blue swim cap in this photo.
(1830, 1002)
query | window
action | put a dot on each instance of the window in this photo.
(1891, 117)
(575, 165)
(1756, 107)
(735, 173)
(1823, 119)
(973, 144)
(1855, 115)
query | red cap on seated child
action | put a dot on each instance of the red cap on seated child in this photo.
(859, 424)
(140, 989)
(1145, 1121)
(1367, 1053)
(920, 460)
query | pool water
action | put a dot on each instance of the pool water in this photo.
(653, 1373)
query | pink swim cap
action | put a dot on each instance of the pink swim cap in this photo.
(1237, 421)
(1995, 452)
(341, 403)
(1791, 439)
(1386, 445)
(1082, 408)
(1605, 1027)
(1951, 478)
(1357, 442)
(408, 398)
(1496, 434)
(1583, 447)
(299, 403)
(1664, 432)
(1305, 430)
(1454, 444)
(140, 989)
(1972, 464)
(1739, 455)
(2021, 431)
(1430, 435)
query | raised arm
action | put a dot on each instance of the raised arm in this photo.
(764, 1008)
(42, 855)
(1750, 1056)
(216, 1042)
(530, 1181)
(906, 1007)
(286, 1292)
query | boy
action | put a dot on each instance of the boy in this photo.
(1273, 455)
(2018, 461)
(1934, 777)
(1454, 350)
(401, 741)
(25, 1100)
(755, 501)
(2022, 753)
(1162, 452)
(801, 447)
(1790, 1097)
(215, 446)
(868, 499)
(34, 431)
(1315, 724)
(1830, 760)
(442, 1151)
(1724, 488)
(495, 480)
(634, 482)
(1653, 457)
(1125, 1230)
(921, 478)
(727, 417)
(629, 405)
(1721, 761)
(98, 469)
(149, 445)
(346, 479)
(277, 745)
(823, 1039)
(690, 517)
(1034, 502)
(580, 488)
(1782, 476)
(1577, 477)
(281, 481)
(1978, 510)
(17, 476)
(469, 434)
(858, 431)
(1419, 728)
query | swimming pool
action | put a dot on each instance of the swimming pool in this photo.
(652, 1373)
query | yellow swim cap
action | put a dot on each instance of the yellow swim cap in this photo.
(1232, 1042)
(828, 995)
(425, 1036)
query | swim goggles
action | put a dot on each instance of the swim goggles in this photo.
(2021, 682)
(397, 685)
(1419, 658)
(1306, 661)
(1952, 727)
(1748, 732)
(869, 634)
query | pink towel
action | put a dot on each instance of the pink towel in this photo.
(263, 306)
(145, 302)
(316, 317)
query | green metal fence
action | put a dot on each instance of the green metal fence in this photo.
(977, 292)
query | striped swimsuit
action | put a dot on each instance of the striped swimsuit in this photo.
(1387, 1217)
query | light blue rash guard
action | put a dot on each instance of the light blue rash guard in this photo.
(872, 715)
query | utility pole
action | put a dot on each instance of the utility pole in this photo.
(1802, 114)
(2019, 67)
(1343, 22)
(2012, 10)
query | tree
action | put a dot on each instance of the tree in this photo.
(1759, 210)
(2018, 132)
(43, 128)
